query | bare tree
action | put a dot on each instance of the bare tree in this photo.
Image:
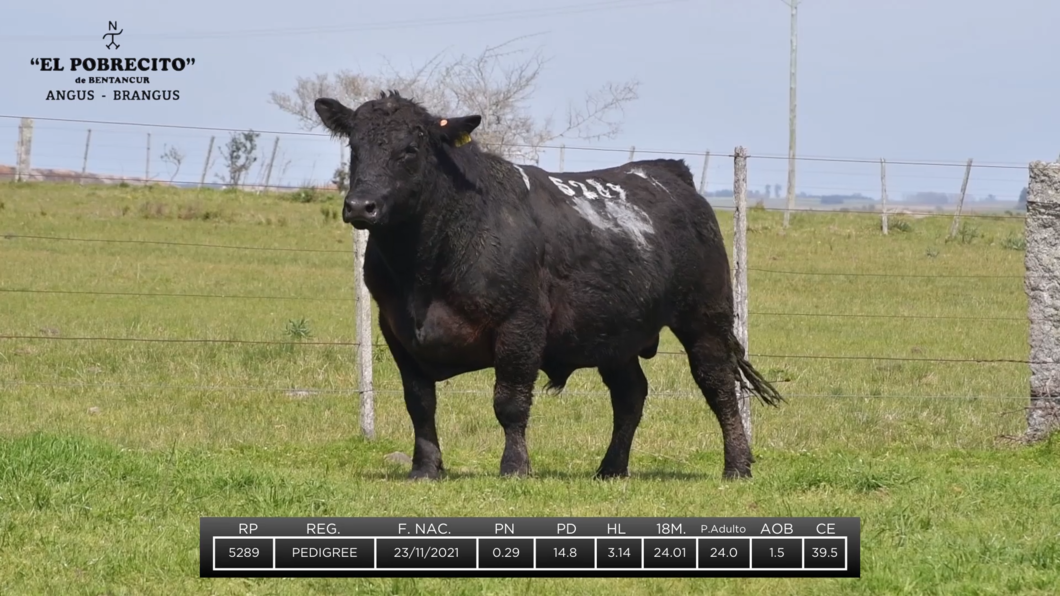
(173, 156)
(239, 154)
(497, 84)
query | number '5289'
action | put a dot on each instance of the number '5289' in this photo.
(243, 553)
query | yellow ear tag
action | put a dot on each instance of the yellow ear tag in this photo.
(463, 139)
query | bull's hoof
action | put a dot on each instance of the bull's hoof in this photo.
(515, 470)
(609, 473)
(427, 473)
(737, 473)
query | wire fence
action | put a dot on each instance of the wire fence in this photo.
(13, 236)
(350, 300)
(105, 150)
(298, 391)
(173, 340)
(715, 176)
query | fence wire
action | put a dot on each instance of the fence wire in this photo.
(294, 391)
(297, 391)
(170, 340)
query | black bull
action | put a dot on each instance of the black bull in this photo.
(476, 262)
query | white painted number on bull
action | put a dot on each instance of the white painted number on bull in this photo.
(585, 191)
(599, 188)
(640, 172)
(526, 179)
(563, 187)
(617, 215)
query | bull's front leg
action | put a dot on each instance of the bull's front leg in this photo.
(517, 358)
(420, 401)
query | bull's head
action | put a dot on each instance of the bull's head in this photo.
(395, 150)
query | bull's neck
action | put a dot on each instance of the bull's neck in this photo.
(443, 231)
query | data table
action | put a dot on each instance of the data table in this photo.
(530, 547)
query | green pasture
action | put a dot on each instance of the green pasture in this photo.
(111, 450)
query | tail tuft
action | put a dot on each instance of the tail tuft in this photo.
(753, 380)
(557, 384)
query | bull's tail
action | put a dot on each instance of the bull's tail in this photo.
(753, 380)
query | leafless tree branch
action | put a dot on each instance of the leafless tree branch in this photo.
(499, 84)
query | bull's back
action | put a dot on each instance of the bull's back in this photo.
(640, 215)
(619, 245)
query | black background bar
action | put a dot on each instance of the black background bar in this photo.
(530, 547)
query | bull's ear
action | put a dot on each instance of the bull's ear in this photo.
(457, 131)
(335, 116)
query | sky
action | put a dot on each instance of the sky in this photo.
(905, 80)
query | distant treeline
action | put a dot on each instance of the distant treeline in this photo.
(919, 198)
(829, 199)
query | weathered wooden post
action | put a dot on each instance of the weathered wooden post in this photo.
(25, 149)
(268, 171)
(739, 274)
(1042, 284)
(364, 334)
(960, 201)
(703, 176)
(84, 162)
(883, 195)
(206, 164)
(147, 163)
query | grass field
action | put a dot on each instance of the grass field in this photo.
(110, 451)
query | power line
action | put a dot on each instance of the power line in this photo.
(176, 126)
(794, 5)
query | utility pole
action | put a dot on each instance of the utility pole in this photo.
(794, 5)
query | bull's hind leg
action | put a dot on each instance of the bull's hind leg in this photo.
(714, 370)
(628, 388)
(420, 401)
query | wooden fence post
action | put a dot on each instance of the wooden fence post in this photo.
(1042, 284)
(364, 334)
(739, 273)
(206, 164)
(84, 162)
(268, 171)
(147, 165)
(23, 169)
(703, 176)
(632, 150)
(960, 201)
(883, 194)
(562, 151)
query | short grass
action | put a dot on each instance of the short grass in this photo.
(111, 451)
